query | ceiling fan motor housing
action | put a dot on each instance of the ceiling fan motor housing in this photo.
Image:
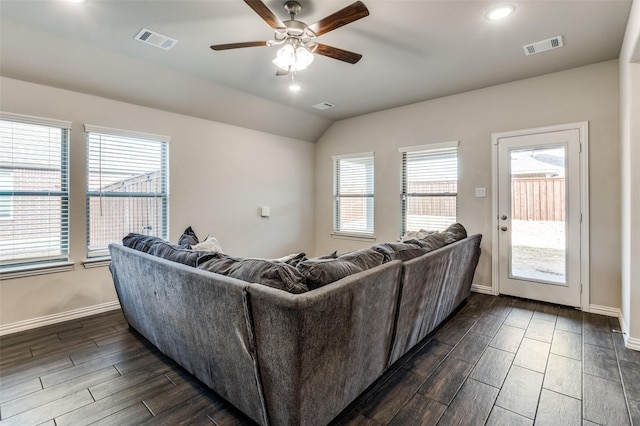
(292, 8)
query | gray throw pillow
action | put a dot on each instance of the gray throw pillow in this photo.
(188, 238)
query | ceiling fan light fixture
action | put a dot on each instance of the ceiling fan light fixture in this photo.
(293, 59)
(500, 12)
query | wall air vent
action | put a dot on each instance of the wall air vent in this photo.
(543, 46)
(155, 39)
(323, 105)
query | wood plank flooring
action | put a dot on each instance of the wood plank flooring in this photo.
(496, 361)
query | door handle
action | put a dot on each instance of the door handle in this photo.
(503, 217)
(503, 228)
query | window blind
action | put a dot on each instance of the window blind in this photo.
(353, 194)
(127, 186)
(429, 188)
(34, 190)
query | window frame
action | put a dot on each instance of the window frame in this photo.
(57, 262)
(429, 149)
(369, 184)
(100, 256)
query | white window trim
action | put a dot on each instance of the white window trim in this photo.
(350, 235)
(30, 270)
(37, 268)
(430, 147)
(126, 133)
(105, 260)
(30, 119)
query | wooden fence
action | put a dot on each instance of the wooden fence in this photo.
(538, 199)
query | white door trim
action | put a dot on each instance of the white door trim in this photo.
(583, 128)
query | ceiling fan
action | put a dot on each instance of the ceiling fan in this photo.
(298, 39)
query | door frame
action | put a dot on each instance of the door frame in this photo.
(583, 128)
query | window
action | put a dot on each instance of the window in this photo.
(34, 190)
(127, 186)
(429, 186)
(353, 194)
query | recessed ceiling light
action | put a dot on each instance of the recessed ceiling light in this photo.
(77, 1)
(500, 12)
(295, 87)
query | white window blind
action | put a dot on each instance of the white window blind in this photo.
(429, 187)
(353, 194)
(34, 190)
(127, 186)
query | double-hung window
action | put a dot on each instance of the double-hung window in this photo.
(34, 191)
(429, 186)
(353, 194)
(127, 186)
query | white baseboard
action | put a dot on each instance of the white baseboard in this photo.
(484, 289)
(56, 318)
(632, 343)
(605, 310)
(629, 342)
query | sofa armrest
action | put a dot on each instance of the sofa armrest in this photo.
(195, 317)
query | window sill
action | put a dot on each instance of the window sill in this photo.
(97, 262)
(356, 237)
(33, 270)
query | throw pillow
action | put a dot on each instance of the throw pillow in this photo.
(188, 238)
(209, 244)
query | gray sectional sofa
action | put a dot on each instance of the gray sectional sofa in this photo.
(284, 358)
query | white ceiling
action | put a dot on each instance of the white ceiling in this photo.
(413, 50)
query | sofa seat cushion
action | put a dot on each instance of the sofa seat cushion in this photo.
(322, 271)
(140, 242)
(271, 273)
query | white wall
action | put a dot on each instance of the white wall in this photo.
(219, 177)
(630, 176)
(584, 94)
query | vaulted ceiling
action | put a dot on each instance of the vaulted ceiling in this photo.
(413, 50)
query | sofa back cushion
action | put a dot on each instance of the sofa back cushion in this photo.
(399, 251)
(140, 242)
(274, 274)
(175, 253)
(320, 272)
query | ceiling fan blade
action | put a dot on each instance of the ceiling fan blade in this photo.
(238, 45)
(342, 17)
(335, 53)
(280, 72)
(265, 13)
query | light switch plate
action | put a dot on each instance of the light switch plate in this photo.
(481, 192)
(265, 211)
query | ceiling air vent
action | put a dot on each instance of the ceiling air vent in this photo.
(155, 39)
(543, 46)
(323, 105)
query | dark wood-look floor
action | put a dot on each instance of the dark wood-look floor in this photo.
(496, 361)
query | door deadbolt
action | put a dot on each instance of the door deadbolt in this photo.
(503, 217)
(503, 228)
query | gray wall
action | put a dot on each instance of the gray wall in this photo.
(584, 94)
(220, 175)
